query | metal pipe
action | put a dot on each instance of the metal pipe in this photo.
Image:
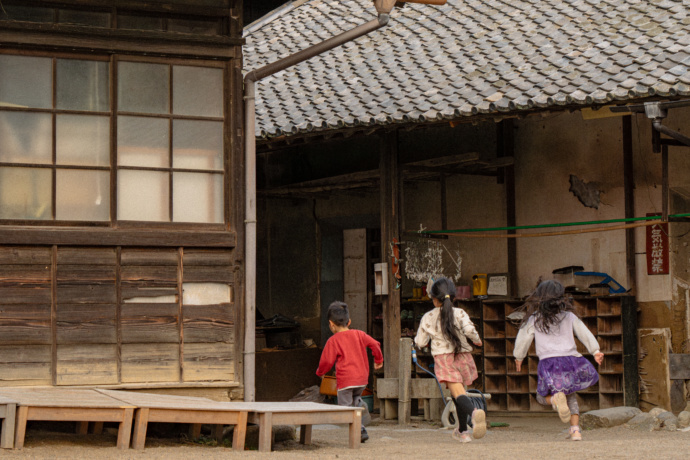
(250, 182)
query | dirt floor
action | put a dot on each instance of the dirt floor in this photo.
(527, 437)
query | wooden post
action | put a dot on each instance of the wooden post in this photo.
(629, 197)
(506, 148)
(390, 229)
(404, 373)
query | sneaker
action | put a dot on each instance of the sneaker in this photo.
(478, 423)
(365, 435)
(575, 433)
(462, 437)
(560, 404)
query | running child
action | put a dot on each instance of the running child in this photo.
(562, 371)
(448, 329)
(347, 349)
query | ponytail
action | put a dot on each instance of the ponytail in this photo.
(444, 290)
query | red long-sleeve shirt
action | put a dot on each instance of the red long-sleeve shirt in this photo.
(349, 350)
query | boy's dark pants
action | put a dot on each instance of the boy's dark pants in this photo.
(352, 397)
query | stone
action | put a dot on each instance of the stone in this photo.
(684, 419)
(644, 422)
(669, 422)
(656, 411)
(606, 418)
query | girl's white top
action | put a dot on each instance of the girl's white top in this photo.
(430, 329)
(560, 340)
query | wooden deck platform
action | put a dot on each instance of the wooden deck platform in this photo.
(128, 408)
(181, 409)
(8, 410)
(67, 405)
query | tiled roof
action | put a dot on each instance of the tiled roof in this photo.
(466, 58)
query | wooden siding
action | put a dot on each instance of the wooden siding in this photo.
(110, 315)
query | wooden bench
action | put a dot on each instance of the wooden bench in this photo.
(67, 405)
(181, 409)
(8, 409)
(305, 414)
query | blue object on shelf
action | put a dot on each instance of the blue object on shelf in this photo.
(607, 280)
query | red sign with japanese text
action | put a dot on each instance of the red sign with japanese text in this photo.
(657, 248)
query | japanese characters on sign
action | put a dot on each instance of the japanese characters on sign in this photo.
(657, 248)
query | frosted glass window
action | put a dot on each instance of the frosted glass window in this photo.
(143, 142)
(197, 197)
(139, 22)
(198, 144)
(83, 140)
(25, 82)
(82, 85)
(143, 195)
(193, 26)
(25, 137)
(25, 193)
(143, 88)
(197, 91)
(26, 13)
(82, 195)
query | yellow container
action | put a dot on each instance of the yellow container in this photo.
(479, 281)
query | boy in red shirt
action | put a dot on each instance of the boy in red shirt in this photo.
(347, 348)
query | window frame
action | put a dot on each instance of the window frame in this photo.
(113, 168)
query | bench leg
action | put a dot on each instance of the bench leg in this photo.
(141, 421)
(356, 430)
(8, 427)
(265, 431)
(82, 427)
(20, 426)
(124, 434)
(305, 434)
(240, 433)
(97, 428)
(195, 431)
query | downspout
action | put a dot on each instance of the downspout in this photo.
(250, 181)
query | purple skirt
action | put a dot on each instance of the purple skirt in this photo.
(566, 374)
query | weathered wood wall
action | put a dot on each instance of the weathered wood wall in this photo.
(115, 315)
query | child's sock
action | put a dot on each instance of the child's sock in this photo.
(464, 408)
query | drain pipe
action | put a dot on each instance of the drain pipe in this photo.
(250, 80)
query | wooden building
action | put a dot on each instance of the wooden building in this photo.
(121, 194)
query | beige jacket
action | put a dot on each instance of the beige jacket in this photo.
(430, 329)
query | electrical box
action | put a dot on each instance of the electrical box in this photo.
(381, 279)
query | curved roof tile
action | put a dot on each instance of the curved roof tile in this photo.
(465, 58)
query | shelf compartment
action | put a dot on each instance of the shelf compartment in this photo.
(494, 329)
(585, 307)
(533, 363)
(612, 364)
(533, 383)
(609, 306)
(610, 400)
(493, 311)
(536, 407)
(497, 402)
(609, 325)
(611, 344)
(472, 308)
(611, 383)
(510, 348)
(495, 365)
(518, 383)
(494, 384)
(591, 324)
(494, 347)
(512, 369)
(512, 307)
(518, 402)
(511, 330)
(587, 402)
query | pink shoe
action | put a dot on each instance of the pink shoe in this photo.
(575, 433)
(462, 437)
(478, 423)
(560, 404)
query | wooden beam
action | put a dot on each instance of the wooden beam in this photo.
(629, 202)
(506, 150)
(100, 236)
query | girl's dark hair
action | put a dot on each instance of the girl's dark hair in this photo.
(443, 290)
(338, 313)
(545, 303)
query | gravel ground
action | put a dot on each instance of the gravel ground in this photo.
(527, 437)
